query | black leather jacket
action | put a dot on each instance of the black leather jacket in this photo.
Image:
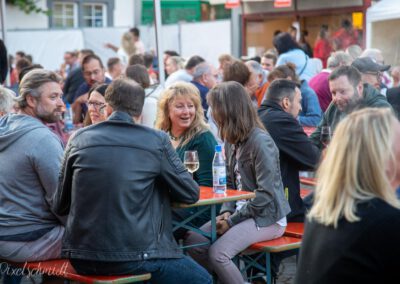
(117, 183)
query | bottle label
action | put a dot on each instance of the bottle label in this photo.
(219, 176)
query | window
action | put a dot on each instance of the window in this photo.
(94, 15)
(65, 15)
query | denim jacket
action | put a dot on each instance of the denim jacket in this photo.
(258, 163)
(311, 113)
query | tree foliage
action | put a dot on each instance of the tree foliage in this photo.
(28, 6)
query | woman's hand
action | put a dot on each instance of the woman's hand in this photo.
(224, 216)
(222, 227)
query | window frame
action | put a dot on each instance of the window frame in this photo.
(62, 16)
(107, 10)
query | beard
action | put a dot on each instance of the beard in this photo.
(47, 116)
(353, 103)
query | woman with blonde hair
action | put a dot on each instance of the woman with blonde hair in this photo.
(252, 164)
(127, 48)
(355, 212)
(181, 115)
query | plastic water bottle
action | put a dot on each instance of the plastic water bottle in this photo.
(68, 123)
(219, 171)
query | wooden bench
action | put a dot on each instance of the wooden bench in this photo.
(295, 230)
(308, 181)
(284, 243)
(304, 192)
(63, 269)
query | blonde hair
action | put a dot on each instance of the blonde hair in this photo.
(185, 90)
(355, 166)
(127, 43)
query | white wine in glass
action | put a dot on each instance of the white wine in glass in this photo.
(191, 161)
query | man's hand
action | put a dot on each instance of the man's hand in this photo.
(82, 99)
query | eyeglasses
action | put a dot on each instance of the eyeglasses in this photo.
(96, 105)
(89, 74)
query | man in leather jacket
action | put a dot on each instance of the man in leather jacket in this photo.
(117, 183)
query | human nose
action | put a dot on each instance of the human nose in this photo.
(60, 102)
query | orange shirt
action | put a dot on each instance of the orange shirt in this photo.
(260, 93)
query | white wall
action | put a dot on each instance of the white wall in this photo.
(123, 13)
(207, 39)
(16, 19)
(47, 47)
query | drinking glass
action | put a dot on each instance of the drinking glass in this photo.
(191, 161)
(326, 135)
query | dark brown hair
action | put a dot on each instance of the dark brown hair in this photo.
(233, 112)
(125, 95)
(236, 71)
(138, 73)
(283, 72)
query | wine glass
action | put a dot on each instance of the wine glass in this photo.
(191, 161)
(326, 135)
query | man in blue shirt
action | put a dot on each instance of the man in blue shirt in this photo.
(93, 73)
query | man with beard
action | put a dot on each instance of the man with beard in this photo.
(348, 94)
(30, 159)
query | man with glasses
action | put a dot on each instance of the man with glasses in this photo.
(371, 71)
(93, 73)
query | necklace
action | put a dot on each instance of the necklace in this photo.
(173, 138)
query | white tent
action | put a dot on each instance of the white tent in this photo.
(383, 29)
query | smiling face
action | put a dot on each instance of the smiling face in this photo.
(49, 106)
(182, 112)
(96, 104)
(344, 95)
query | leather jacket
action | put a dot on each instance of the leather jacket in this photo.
(258, 163)
(117, 182)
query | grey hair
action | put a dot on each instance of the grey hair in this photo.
(7, 100)
(354, 51)
(201, 69)
(32, 82)
(255, 66)
(373, 53)
(339, 58)
(178, 61)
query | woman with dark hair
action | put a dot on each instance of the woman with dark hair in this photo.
(322, 47)
(290, 51)
(96, 104)
(252, 161)
(140, 74)
(239, 72)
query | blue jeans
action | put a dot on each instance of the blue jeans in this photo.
(173, 270)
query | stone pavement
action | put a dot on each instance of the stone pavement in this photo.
(287, 270)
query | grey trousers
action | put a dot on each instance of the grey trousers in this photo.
(46, 247)
(218, 257)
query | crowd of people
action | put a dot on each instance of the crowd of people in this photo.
(102, 194)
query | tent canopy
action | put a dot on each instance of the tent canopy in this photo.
(382, 20)
(384, 10)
